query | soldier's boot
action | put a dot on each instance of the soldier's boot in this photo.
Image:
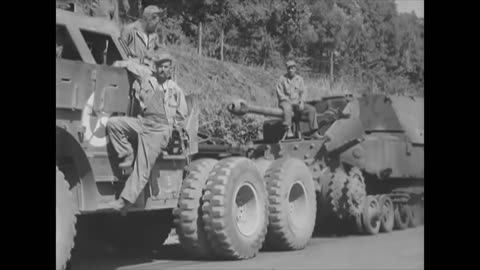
(289, 132)
(118, 205)
(317, 136)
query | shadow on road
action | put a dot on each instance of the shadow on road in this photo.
(105, 256)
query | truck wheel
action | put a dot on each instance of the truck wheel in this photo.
(336, 193)
(188, 215)
(371, 215)
(292, 204)
(65, 221)
(235, 209)
(402, 217)
(356, 192)
(388, 214)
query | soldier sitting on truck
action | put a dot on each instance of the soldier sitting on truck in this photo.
(291, 93)
(163, 103)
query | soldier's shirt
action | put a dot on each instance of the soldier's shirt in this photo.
(174, 101)
(139, 42)
(292, 90)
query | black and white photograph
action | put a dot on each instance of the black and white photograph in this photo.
(239, 134)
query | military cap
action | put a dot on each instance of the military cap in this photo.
(161, 57)
(290, 63)
(150, 10)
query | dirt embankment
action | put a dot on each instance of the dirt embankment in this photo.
(216, 83)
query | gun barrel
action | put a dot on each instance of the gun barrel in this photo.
(240, 107)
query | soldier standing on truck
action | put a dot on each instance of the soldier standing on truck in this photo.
(163, 103)
(140, 36)
(291, 93)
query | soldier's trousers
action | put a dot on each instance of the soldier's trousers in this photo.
(289, 110)
(151, 138)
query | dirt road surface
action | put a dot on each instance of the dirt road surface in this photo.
(396, 250)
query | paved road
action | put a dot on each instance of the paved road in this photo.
(396, 250)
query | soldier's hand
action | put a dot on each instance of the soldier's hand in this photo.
(126, 6)
(301, 106)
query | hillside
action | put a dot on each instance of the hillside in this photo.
(217, 82)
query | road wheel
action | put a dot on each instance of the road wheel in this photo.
(323, 215)
(356, 192)
(292, 204)
(402, 216)
(415, 216)
(422, 212)
(336, 194)
(235, 209)
(188, 215)
(388, 214)
(371, 215)
(65, 221)
(359, 224)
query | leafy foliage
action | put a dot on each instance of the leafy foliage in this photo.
(363, 39)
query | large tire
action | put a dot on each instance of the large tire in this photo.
(188, 215)
(336, 194)
(231, 233)
(370, 215)
(292, 204)
(388, 214)
(402, 216)
(356, 192)
(65, 221)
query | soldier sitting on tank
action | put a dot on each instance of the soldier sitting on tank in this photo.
(291, 93)
(164, 105)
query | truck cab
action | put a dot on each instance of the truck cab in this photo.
(90, 90)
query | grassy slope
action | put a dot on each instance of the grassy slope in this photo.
(217, 83)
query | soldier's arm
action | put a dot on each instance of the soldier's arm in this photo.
(127, 36)
(145, 90)
(126, 6)
(157, 43)
(280, 94)
(116, 11)
(303, 91)
(182, 109)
